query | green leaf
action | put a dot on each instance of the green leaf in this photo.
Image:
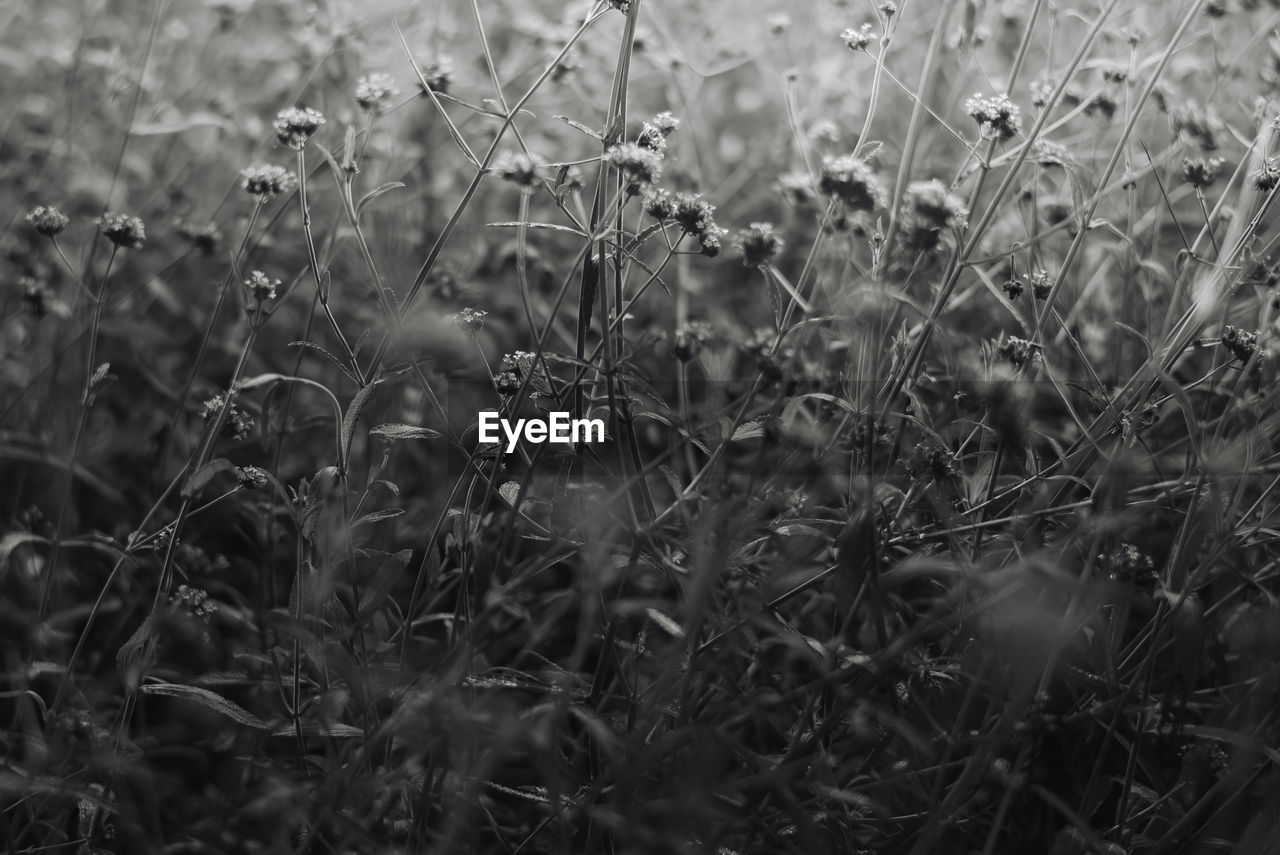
(353, 415)
(209, 699)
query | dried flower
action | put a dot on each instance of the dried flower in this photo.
(655, 132)
(266, 181)
(850, 179)
(295, 125)
(375, 91)
(857, 39)
(48, 220)
(695, 215)
(997, 116)
(659, 204)
(1242, 344)
(759, 244)
(438, 75)
(238, 423)
(639, 166)
(1017, 351)
(1041, 283)
(689, 340)
(1201, 172)
(1014, 288)
(195, 601)
(1197, 124)
(1267, 176)
(469, 319)
(123, 230)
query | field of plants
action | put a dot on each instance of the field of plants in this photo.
(934, 345)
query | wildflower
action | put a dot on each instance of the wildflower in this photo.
(123, 230)
(261, 286)
(1050, 153)
(375, 91)
(204, 238)
(1041, 89)
(1114, 74)
(195, 601)
(469, 319)
(1127, 563)
(1200, 125)
(48, 220)
(689, 340)
(507, 382)
(1243, 346)
(694, 214)
(266, 181)
(997, 116)
(1017, 351)
(1041, 283)
(710, 241)
(1163, 96)
(238, 423)
(795, 187)
(655, 132)
(35, 296)
(888, 8)
(623, 6)
(857, 39)
(639, 166)
(519, 168)
(1201, 172)
(1267, 176)
(1014, 288)
(438, 75)
(759, 244)
(252, 477)
(295, 125)
(659, 204)
(851, 180)
(515, 367)
(1102, 106)
(929, 208)
(931, 463)
(778, 23)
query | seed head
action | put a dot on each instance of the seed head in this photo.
(266, 181)
(850, 179)
(1201, 172)
(857, 39)
(295, 125)
(759, 244)
(123, 230)
(997, 116)
(48, 220)
(639, 166)
(374, 92)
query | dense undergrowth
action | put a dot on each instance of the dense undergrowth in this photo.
(936, 512)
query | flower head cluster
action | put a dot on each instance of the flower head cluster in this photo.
(997, 116)
(640, 166)
(519, 168)
(695, 215)
(1041, 283)
(515, 367)
(238, 423)
(1050, 153)
(261, 286)
(929, 209)
(1267, 176)
(195, 601)
(266, 181)
(1242, 344)
(1017, 351)
(759, 244)
(375, 91)
(123, 230)
(928, 462)
(851, 180)
(857, 39)
(1196, 124)
(1201, 172)
(690, 339)
(659, 203)
(468, 319)
(795, 187)
(252, 477)
(1041, 89)
(653, 135)
(295, 125)
(1127, 563)
(47, 220)
(204, 237)
(438, 75)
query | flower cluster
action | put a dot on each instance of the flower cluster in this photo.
(857, 39)
(469, 319)
(997, 116)
(653, 135)
(195, 601)
(438, 75)
(759, 244)
(695, 215)
(1201, 172)
(928, 209)
(928, 462)
(295, 125)
(1127, 563)
(252, 477)
(261, 286)
(374, 92)
(1041, 283)
(640, 166)
(1267, 176)
(47, 220)
(850, 179)
(266, 181)
(519, 168)
(1243, 345)
(123, 230)
(204, 237)
(1196, 124)
(1017, 351)
(238, 423)
(515, 368)
(690, 339)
